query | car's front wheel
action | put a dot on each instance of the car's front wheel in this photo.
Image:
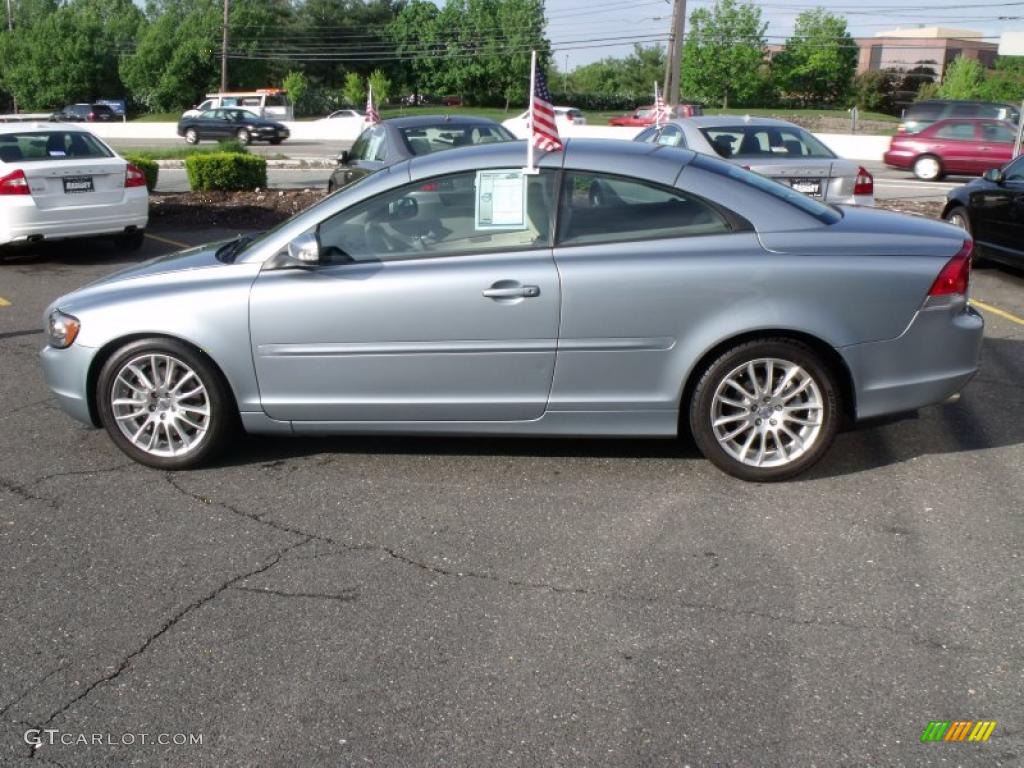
(192, 136)
(243, 136)
(928, 168)
(164, 404)
(765, 410)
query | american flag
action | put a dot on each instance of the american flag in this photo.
(371, 114)
(544, 131)
(661, 113)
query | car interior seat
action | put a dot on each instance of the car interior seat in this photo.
(723, 146)
(10, 153)
(55, 146)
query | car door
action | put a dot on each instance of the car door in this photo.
(997, 213)
(956, 144)
(633, 257)
(425, 310)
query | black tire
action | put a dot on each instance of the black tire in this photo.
(924, 161)
(243, 136)
(702, 408)
(130, 241)
(191, 136)
(959, 212)
(276, 141)
(220, 425)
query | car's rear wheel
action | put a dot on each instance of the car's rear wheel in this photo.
(192, 136)
(276, 141)
(164, 405)
(131, 241)
(765, 410)
(928, 168)
(243, 136)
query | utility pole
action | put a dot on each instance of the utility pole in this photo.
(10, 31)
(674, 54)
(223, 51)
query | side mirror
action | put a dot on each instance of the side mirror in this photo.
(343, 157)
(995, 175)
(302, 253)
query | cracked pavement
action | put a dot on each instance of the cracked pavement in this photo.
(485, 602)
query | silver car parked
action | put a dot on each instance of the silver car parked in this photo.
(623, 290)
(774, 148)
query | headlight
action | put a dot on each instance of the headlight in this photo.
(61, 329)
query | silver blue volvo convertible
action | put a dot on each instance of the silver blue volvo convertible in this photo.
(624, 289)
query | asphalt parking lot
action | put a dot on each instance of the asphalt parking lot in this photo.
(485, 602)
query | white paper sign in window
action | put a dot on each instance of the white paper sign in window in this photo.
(500, 200)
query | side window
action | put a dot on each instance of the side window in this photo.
(210, 114)
(444, 216)
(997, 132)
(956, 131)
(374, 149)
(359, 146)
(671, 136)
(964, 110)
(597, 208)
(1015, 170)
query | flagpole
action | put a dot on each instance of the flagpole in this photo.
(529, 138)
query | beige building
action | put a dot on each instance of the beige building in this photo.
(923, 48)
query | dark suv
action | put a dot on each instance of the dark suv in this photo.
(84, 113)
(921, 114)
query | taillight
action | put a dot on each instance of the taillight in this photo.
(864, 184)
(14, 183)
(92, 116)
(430, 186)
(133, 177)
(956, 275)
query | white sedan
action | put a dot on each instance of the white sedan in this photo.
(59, 181)
(564, 116)
(341, 124)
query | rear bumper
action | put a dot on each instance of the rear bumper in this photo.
(932, 360)
(66, 372)
(21, 219)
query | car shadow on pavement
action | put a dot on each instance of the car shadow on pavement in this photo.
(985, 417)
(978, 421)
(77, 253)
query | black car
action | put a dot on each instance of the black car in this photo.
(400, 138)
(991, 209)
(84, 113)
(231, 123)
(921, 114)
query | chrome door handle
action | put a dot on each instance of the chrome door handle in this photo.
(518, 292)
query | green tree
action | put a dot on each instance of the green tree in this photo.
(1006, 81)
(381, 85)
(724, 53)
(963, 79)
(819, 60)
(416, 34)
(354, 90)
(874, 91)
(297, 85)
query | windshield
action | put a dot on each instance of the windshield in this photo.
(29, 146)
(426, 140)
(753, 141)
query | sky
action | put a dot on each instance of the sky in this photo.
(588, 30)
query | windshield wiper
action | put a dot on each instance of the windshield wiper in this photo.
(232, 248)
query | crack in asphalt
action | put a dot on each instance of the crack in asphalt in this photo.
(126, 662)
(348, 595)
(380, 548)
(7, 707)
(16, 334)
(22, 489)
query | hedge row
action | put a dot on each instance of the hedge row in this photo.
(226, 170)
(149, 168)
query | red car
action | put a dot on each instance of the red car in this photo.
(957, 146)
(644, 116)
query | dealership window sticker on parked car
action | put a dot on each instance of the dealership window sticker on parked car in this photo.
(500, 200)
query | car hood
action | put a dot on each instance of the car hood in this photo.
(199, 257)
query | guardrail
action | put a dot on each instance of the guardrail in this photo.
(26, 117)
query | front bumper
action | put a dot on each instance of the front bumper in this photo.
(67, 373)
(932, 360)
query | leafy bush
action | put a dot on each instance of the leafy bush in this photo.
(226, 170)
(149, 168)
